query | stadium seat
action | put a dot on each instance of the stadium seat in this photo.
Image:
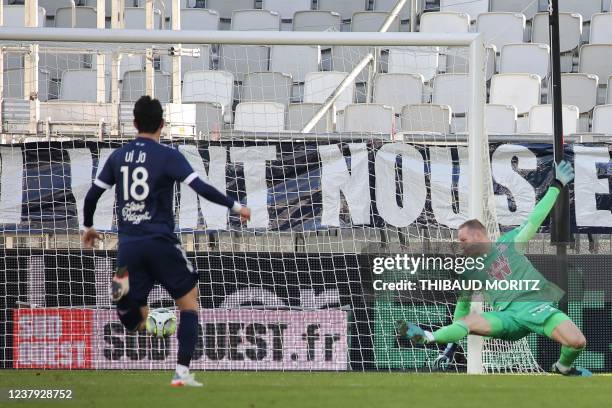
(580, 90)
(398, 90)
(520, 90)
(226, 7)
(133, 86)
(84, 17)
(602, 119)
(210, 87)
(165, 6)
(345, 58)
(528, 7)
(601, 29)
(191, 63)
(609, 93)
(541, 119)
(372, 21)
(472, 8)
(452, 90)
(81, 86)
(570, 35)
(295, 60)
(316, 21)
(286, 9)
(136, 18)
(414, 60)
(199, 19)
(345, 8)
(14, 16)
(586, 8)
(56, 64)
(489, 25)
(404, 15)
(500, 119)
(13, 84)
(51, 5)
(318, 86)
(255, 20)
(595, 59)
(426, 118)
(445, 22)
(209, 117)
(369, 117)
(266, 87)
(525, 59)
(298, 115)
(259, 117)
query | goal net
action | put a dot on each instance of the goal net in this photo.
(348, 148)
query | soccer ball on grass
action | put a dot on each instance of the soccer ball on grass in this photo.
(161, 323)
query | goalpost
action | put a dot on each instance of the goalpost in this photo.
(293, 288)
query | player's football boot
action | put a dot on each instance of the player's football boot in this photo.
(411, 331)
(120, 285)
(187, 380)
(573, 372)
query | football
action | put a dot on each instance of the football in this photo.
(161, 323)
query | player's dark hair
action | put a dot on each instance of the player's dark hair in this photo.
(148, 114)
(473, 224)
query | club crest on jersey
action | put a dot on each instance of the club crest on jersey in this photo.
(500, 269)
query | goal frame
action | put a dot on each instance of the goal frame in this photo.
(476, 130)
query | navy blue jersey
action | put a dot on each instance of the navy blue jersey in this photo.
(145, 172)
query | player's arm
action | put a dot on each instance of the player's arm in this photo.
(564, 174)
(103, 182)
(179, 168)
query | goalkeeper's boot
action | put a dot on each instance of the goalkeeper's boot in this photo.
(120, 285)
(187, 380)
(411, 331)
(572, 372)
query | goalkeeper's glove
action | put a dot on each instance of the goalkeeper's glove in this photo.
(442, 362)
(564, 173)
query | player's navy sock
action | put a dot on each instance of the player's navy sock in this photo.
(187, 336)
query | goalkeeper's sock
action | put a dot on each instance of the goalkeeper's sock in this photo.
(187, 337)
(567, 358)
(452, 333)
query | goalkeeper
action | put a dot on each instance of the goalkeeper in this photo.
(516, 313)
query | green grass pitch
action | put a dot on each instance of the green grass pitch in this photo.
(131, 389)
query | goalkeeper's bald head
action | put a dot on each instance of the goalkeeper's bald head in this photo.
(473, 238)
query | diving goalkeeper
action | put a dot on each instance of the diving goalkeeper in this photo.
(516, 313)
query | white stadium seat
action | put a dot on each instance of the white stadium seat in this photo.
(586, 8)
(426, 118)
(210, 86)
(528, 7)
(609, 94)
(266, 87)
(133, 86)
(512, 32)
(81, 85)
(570, 33)
(445, 22)
(259, 117)
(415, 60)
(398, 90)
(199, 19)
(255, 20)
(500, 119)
(472, 8)
(136, 18)
(286, 9)
(602, 119)
(209, 117)
(520, 90)
(580, 90)
(13, 84)
(14, 16)
(226, 7)
(601, 29)
(595, 59)
(318, 86)
(165, 6)
(345, 8)
(191, 63)
(369, 117)
(452, 90)
(541, 119)
(51, 5)
(372, 21)
(299, 114)
(316, 20)
(387, 5)
(295, 60)
(84, 17)
(525, 59)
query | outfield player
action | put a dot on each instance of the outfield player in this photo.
(518, 312)
(145, 172)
